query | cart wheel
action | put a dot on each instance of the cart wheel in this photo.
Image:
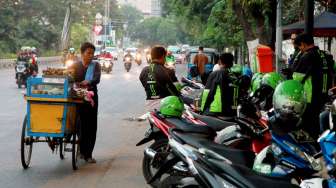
(61, 149)
(75, 151)
(26, 146)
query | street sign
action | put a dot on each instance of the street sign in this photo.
(97, 29)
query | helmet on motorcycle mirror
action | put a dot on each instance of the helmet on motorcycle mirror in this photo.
(289, 101)
(171, 106)
(271, 79)
(256, 81)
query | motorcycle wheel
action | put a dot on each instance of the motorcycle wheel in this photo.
(147, 162)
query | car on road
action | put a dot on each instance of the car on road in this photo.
(177, 53)
(211, 53)
(113, 51)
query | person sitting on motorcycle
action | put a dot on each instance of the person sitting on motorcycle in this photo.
(157, 80)
(128, 55)
(32, 67)
(108, 55)
(72, 55)
(170, 57)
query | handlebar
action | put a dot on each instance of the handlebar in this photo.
(249, 127)
(191, 83)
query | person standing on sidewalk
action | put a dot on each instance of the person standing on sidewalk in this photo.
(87, 75)
(200, 60)
(312, 71)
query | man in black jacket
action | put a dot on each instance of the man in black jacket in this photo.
(218, 95)
(311, 71)
(157, 80)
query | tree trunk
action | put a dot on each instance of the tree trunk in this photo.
(243, 20)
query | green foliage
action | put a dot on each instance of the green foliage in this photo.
(39, 23)
(156, 30)
(79, 34)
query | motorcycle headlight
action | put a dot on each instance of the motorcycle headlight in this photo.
(139, 56)
(68, 63)
(20, 68)
(128, 59)
(106, 64)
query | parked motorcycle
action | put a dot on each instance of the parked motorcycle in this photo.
(128, 63)
(212, 166)
(21, 73)
(106, 64)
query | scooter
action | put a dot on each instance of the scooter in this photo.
(160, 125)
(128, 63)
(211, 165)
(21, 73)
(106, 64)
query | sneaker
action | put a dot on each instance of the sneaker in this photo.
(91, 160)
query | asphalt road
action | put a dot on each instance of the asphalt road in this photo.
(121, 97)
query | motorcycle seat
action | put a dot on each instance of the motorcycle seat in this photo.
(243, 157)
(251, 178)
(213, 122)
(186, 127)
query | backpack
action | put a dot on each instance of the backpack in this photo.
(328, 70)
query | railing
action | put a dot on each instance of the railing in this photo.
(7, 63)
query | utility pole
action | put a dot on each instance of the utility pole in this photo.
(106, 20)
(278, 47)
(309, 16)
(65, 37)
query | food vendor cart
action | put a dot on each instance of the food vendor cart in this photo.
(51, 117)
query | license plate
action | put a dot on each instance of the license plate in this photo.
(148, 132)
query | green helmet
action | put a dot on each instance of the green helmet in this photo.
(289, 101)
(237, 69)
(271, 79)
(256, 81)
(171, 106)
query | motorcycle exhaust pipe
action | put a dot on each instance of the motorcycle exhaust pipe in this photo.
(150, 153)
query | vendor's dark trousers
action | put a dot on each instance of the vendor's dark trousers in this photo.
(204, 78)
(88, 129)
